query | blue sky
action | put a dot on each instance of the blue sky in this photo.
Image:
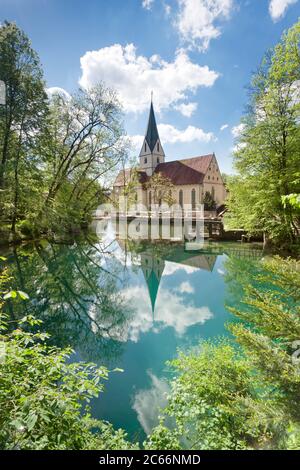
(196, 55)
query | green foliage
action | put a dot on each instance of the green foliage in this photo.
(268, 149)
(22, 120)
(270, 331)
(53, 151)
(127, 194)
(161, 188)
(224, 397)
(77, 297)
(44, 397)
(292, 200)
(214, 400)
(162, 438)
(209, 202)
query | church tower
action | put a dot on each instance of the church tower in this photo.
(152, 152)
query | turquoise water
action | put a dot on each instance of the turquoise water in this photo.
(132, 305)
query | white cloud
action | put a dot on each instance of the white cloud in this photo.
(277, 8)
(185, 288)
(171, 135)
(55, 90)
(135, 76)
(222, 128)
(147, 4)
(167, 9)
(237, 130)
(187, 109)
(171, 268)
(197, 20)
(238, 147)
(171, 311)
(136, 141)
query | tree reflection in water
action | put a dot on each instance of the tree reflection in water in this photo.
(74, 293)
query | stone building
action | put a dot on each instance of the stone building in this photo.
(191, 177)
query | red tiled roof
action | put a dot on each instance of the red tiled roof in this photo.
(124, 176)
(187, 171)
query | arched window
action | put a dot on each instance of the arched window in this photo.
(157, 146)
(193, 194)
(145, 160)
(159, 198)
(213, 192)
(157, 159)
(150, 199)
(181, 198)
(145, 147)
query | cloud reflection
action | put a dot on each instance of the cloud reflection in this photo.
(147, 403)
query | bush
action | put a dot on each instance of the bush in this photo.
(243, 394)
(44, 398)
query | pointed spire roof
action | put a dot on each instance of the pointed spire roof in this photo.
(153, 285)
(152, 132)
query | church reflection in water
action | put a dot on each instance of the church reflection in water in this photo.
(153, 256)
(153, 266)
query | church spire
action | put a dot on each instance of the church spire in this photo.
(152, 132)
(151, 153)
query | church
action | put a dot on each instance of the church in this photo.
(191, 177)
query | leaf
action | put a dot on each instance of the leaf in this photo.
(32, 419)
(18, 424)
(23, 295)
(117, 369)
(10, 295)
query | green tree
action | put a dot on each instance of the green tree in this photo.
(161, 188)
(57, 155)
(84, 143)
(268, 149)
(21, 119)
(43, 397)
(77, 298)
(209, 202)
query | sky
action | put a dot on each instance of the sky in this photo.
(197, 56)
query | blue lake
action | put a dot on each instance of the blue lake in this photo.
(131, 305)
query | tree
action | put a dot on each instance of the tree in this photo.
(127, 194)
(44, 397)
(268, 149)
(209, 202)
(84, 143)
(161, 188)
(82, 309)
(56, 155)
(21, 118)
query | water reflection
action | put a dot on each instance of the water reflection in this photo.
(149, 402)
(128, 304)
